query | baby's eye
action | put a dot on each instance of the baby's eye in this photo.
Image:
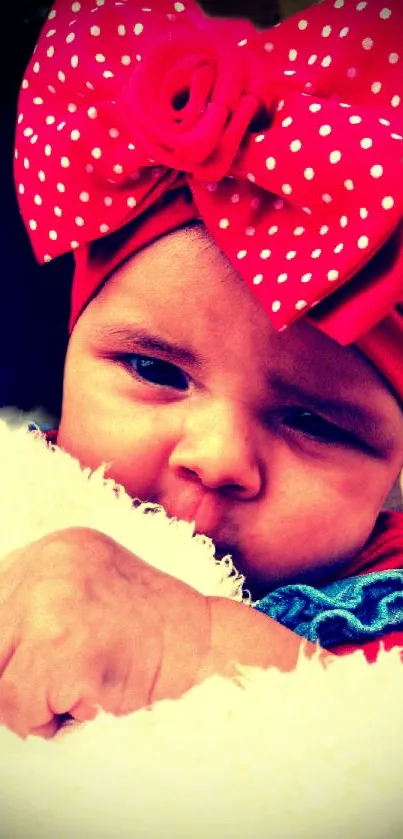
(157, 372)
(313, 425)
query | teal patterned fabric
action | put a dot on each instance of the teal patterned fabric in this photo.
(349, 611)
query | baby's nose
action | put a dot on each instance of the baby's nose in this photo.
(217, 447)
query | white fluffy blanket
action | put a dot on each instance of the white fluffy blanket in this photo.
(309, 754)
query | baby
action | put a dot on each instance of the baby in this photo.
(236, 346)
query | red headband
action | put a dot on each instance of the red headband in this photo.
(290, 142)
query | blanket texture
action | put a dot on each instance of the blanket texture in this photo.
(305, 755)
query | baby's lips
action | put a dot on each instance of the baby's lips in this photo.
(197, 505)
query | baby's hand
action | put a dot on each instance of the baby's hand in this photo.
(86, 624)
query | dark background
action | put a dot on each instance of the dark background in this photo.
(34, 299)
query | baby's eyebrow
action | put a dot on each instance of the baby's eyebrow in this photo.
(135, 339)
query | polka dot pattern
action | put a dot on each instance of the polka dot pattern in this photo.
(308, 199)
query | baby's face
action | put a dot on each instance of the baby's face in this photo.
(281, 447)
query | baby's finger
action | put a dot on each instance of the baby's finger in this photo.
(23, 695)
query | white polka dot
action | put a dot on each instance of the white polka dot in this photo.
(265, 253)
(326, 61)
(89, 85)
(61, 76)
(243, 42)
(376, 170)
(103, 228)
(79, 221)
(250, 231)
(241, 254)
(92, 112)
(76, 7)
(47, 258)
(335, 156)
(50, 33)
(273, 229)
(37, 100)
(24, 84)
(48, 150)
(287, 189)
(363, 242)
(363, 212)
(179, 7)
(131, 202)
(65, 162)
(38, 200)
(57, 211)
(223, 223)
(41, 175)
(270, 163)
(257, 279)
(376, 87)
(387, 202)
(259, 138)
(385, 13)
(53, 235)
(52, 14)
(332, 275)
(74, 61)
(295, 145)
(395, 101)
(60, 187)
(306, 277)
(355, 120)
(339, 247)
(301, 304)
(315, 107)
(50, 52)
(28, 132)
(50, 120)
(32, 223)
(326, 31)
(118, 169)
(60, 126)
(100, 58)
(393, 135)
(235, 198)
(268, 46)
(108, 201)
(21, 189)
(280, 105)
(393, 58)
(75, 134)
(366, 143)
(384, 121)
(84, 196)
(307, 210)
(70, 38)
(309, 173)
(96, 153)
(349, 184)
(36, 67)
(291, 255)
(312, 58)
(74, 244)
(298, 231)
(51, 88)
(343, 221)
(286, 122)
(138, 28)
(95, 30)
(302, 24)
(107, 74)
(121, 29)
(367, 43)
(324, 130)
(126, 60)
(292, 55)
(324, 229)
(282, 278)
(360, 6)
(316, 253)
(250, 176)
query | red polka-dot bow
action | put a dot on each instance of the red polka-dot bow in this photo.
(291, 140)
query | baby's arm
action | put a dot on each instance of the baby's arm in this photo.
(84, 624)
